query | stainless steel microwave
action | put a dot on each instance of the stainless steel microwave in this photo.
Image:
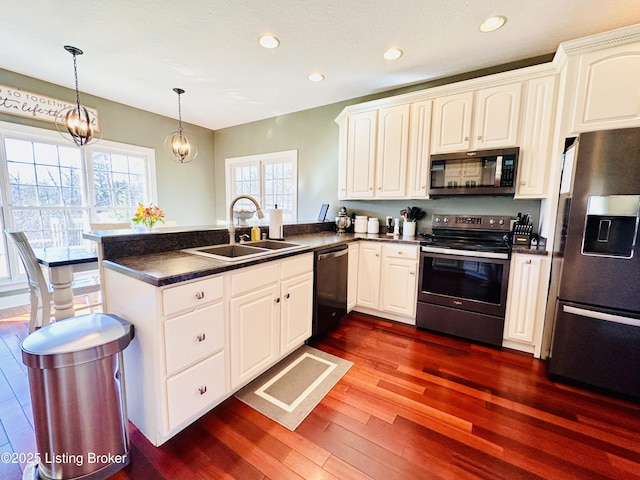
(482, 172)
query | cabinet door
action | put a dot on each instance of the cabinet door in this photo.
(608, 92)
(419, 149)
(451, 123)
(526, 303)
(399, 286)
(497, 114)
(296, 312)
(537, 138)
(392, 147)
(352, 278)
(361, 154)
(369, 275)
(255, 333)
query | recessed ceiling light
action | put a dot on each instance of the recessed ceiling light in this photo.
(269, 41)
(392, 54)
(493, 23)
(316, 77)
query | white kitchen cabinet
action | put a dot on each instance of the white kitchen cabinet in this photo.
(537, 138)
(419, 149)
(361, 154)
(607, 94)
(369, 275)
(452, 123)
(387, 280)
(526, 302)
(497, 116)
(270, 314)
(399, 279)
(297, 305)
(255, 332)
(392, 152)
(352, 275)
(176, 365)
(485, 119)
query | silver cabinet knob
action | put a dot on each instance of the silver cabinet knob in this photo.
(199, 295)
(201, 337)
(202, 390)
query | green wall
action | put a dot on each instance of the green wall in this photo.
(184, 191)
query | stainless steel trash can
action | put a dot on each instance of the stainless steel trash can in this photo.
(76, 376)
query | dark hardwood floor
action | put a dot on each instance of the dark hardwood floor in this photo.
(414, 406)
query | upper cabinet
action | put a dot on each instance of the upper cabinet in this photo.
(608, 89)
(391, 156)
(419, 148)
(537, 138)
(487, 118)
(361, 151)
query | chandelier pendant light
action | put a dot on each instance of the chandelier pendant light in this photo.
(180, 146)
(77, 121)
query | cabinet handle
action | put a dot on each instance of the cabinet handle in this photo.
(199, 295)
(379, 188)
(466, 139)
(370, 188)
(400, 252)
(201, 337)
(287, 295)
(412, 273)
(202, 390)
(277, 300)
(528, 261)
(479, 137)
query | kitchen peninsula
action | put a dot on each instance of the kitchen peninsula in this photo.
(205, 327)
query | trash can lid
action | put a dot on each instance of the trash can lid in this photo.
(75, 334)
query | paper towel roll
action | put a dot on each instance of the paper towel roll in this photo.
(275, 223)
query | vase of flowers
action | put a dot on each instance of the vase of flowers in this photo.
(148, 216)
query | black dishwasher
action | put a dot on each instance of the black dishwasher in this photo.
(330, 303)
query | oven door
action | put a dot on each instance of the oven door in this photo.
(465, 281)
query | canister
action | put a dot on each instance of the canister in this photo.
(360, 225)
(373, 226)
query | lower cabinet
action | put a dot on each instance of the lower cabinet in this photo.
(526, 303)
(197, 342)
(271, 312)
(388, 280)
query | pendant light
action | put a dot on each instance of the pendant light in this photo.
(83, 126)
(180, 146)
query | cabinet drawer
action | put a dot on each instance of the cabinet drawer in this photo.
(251, 278)
(193, 336)
(193, 390)
(400, 251)
(191, 295)
(298, 265)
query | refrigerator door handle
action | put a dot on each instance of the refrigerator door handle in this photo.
(601, 316)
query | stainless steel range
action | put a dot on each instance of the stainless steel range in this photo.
(464, 272)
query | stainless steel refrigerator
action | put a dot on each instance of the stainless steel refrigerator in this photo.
(596, 335)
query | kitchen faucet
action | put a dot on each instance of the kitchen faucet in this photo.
(232, 226)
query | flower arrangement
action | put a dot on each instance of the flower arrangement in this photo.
(148, 216)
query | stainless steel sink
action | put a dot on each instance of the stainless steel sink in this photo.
(273, 244)
(242, 251)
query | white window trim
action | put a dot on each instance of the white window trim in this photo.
(259, 159)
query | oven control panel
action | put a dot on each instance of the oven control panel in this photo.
(474, 222)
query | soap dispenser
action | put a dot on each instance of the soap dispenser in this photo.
(255, 233)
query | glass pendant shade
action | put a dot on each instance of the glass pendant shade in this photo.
(77, 121)
(180, 146)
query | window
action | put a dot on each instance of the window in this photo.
(53, 190)
(271, 178)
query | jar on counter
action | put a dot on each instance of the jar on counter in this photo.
(360, 225)
(373, 226)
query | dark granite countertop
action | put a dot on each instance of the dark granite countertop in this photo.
(174, 266)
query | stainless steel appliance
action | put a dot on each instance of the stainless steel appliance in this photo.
(330, 303)
(464, 272)
(596, 337)
(483, 172)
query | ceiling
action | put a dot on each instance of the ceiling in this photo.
(135, 53)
